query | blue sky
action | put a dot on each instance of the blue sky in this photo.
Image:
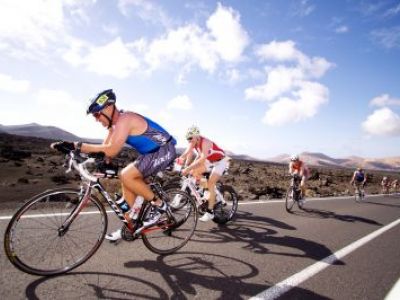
(258, 77)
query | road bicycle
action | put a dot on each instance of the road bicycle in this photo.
(385, 189)
(226, 199)
(359, 193)
(293, 194)
(60, 229)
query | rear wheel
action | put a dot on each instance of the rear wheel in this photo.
(226, 204)
(290, 201)
(36, 243)
(173, 230)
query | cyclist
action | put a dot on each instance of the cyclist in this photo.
(298, 167)
(210, 158)
(359, 179)
(385, 185)
(156, 148)
(394, 185)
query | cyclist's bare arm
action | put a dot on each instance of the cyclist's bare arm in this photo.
(291, 170)
(199, 161)
(188, 153)
(115, 140)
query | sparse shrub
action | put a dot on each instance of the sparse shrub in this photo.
(23, 180)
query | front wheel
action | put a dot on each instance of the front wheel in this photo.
(290, 200)
(35, 241)
(175, 228)
(226, 204)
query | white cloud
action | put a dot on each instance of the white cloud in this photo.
(387, 37)
(384, 100)
(342, 29)
(382, 122)
(289, 88)
(181, 102)
(140, 108)
(303, 104)
(31, 24)
(146, 10)
(393, 11)
(11, 85)
(114, 59)
(279, 51)
(58, 100)
(36, 29)
(192, 45)
(232, 75)
(230, 39)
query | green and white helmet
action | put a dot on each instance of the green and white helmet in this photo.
(192, 131)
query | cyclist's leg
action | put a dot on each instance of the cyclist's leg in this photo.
(133, 183)
(216, 173)
(198, 172)
(303, 186)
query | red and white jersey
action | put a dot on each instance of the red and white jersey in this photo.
(214, 154)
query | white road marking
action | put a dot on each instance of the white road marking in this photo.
(250, 202)
(293, 281)
(54, 215)
(394, 293)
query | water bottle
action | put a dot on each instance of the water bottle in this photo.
(122, 204)
(136, 207)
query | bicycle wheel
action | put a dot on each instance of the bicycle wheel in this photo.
(171, 234)
(225, 208)
(34, 243)
(289, 202)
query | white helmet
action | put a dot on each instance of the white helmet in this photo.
(294, 157)
(192, 131)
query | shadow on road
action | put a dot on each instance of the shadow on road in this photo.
(383, 204)
(256, 234)
(93, 285)
(326, 214)
(185, 271)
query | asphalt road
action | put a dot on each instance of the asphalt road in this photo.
(263, 247)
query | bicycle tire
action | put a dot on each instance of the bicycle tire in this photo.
(165, 240)
(289, 200)
(35, 226)
(225, 213)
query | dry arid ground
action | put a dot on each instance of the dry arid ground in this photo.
(28, 166)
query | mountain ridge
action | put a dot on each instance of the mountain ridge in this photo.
(321, 159)
(311, 158)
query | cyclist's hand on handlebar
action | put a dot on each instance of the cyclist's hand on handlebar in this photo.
(63, 146)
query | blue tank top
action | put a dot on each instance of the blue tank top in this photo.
(151, 140)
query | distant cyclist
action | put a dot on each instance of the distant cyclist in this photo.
(385, 183)
(210, 158)
(154, 144)
(395, 184)
(359, 179)
(298, 167)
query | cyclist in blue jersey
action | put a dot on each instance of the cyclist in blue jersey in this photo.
(359, 179)
(154, 144)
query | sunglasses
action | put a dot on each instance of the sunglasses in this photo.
(189, 139)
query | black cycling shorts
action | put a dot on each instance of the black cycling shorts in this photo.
(151, 163)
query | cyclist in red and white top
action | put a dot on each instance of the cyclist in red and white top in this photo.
(210, 158)
(297, 166)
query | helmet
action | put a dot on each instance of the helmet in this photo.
(192, 131)
(294, 157)
(101, 101)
